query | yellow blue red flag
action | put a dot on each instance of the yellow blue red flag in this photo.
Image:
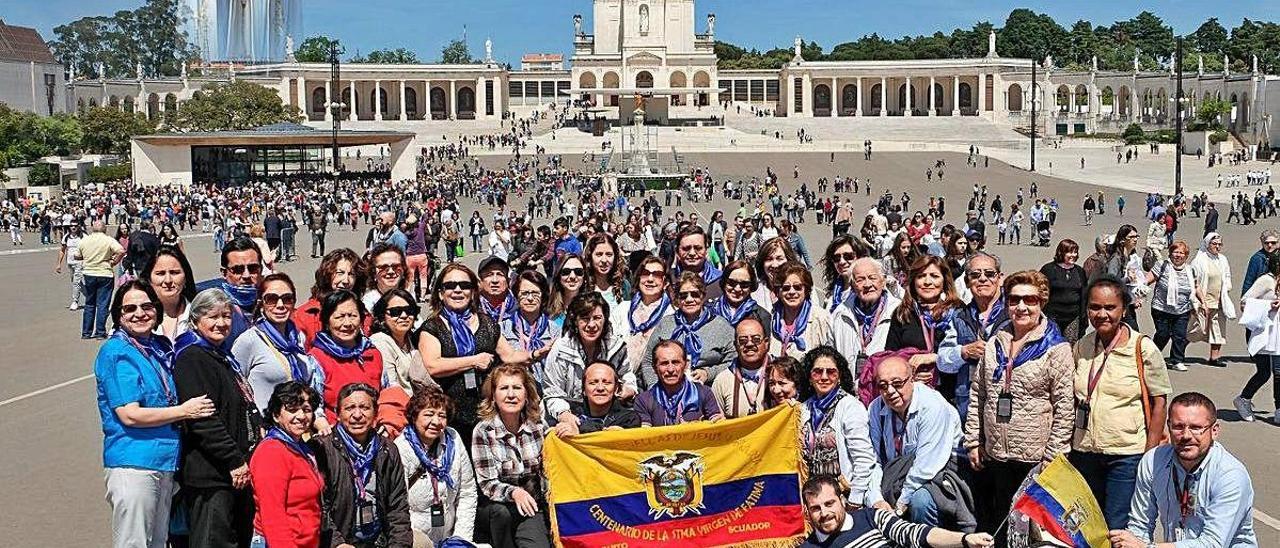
(1060, 502)
(731, 483)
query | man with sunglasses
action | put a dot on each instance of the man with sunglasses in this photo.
(985, 315)
(241, 270)
(914, 433)
(1270, 239)
(1193, 488)
(741, 389)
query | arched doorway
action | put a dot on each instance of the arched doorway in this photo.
(80, 105)
(411, 103)
(318, 103)
(466, 104)
(439, 104)
(822, 100)
(938, 97)
(587, 81)
(1062, 99)
(903, 91)
(848, 99)
(1124, 103)
(702, 80)
(1107, 101)
(153, 106)
(678, 81)
(966, 95)
(877, 106)
(1014, 102)
(1082, 99)
(644, 79)
(348, 102)
(128, 104)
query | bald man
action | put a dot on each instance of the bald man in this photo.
(600, 409)
(387, 231)
(909, 420)
(861, 330)
(100, 254)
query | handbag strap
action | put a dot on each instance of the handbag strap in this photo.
(1147, 403)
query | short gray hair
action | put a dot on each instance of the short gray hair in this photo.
(985, 255)
(1269, 233)
(207, 301)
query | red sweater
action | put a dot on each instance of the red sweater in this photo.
(286, 490)
(339, 373)
(307, 318)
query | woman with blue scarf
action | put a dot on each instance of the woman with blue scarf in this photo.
(344, 355)
(139, 409)
(530, 328)
(737, 287)
(650, 303)
(441, 482)
(798, 324)
(835, 425)
(215, 450)
(707, 338)
(271, 351)
(287, 483)
(924, 320)
(1023, 400)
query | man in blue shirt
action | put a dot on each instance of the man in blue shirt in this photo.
(1197, 492)
(911, 420)
(566, 243)
(976, 322)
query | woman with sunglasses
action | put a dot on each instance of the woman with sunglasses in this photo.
(139, 408)
(1022, 400)
(271, 351)
(530, 328)
(835, 427)
(170, 274)
(650, 303)
(570, 278)
(340, 269)
(1124, 262)
(707, 338)
(606, 269)
(798, 324)
(387, 268)
(393, 317)
(837, 271)
(215, 450)
(1119, 402)
(342, 350)
(924, 319)
(773, 254)
(458, 343)
(737, 286)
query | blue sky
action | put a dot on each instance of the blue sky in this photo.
(520, 26)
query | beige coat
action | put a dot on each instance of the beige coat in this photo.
(1043, 404)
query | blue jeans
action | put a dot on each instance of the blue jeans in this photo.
(97, 299)
(1112, 479)
(921, 508)
(1171, 327)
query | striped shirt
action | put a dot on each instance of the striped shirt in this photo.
(872, 528)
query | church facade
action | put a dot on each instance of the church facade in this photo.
(662, 50)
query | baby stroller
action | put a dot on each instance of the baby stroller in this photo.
(1043, 233)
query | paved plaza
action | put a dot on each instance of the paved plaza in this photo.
(49, 428)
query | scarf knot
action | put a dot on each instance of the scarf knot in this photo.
(735, 315)
(687, 333)
(793, 334)
(653, 318)
(464, 341)
(438, 468)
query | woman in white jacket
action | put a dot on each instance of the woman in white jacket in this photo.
(437, 469)
(1213, 287)
(1261, 324)
(835, 426)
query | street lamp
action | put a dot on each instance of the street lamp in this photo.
(335, 107)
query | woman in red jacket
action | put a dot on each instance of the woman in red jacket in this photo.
(286, 480)
(340, 269)
(343, 351)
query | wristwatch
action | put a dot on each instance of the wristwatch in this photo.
(964, 540)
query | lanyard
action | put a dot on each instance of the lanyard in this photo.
(752, 396)
(169, 394)
(869, 324)
(1008, 369)
(926, 331)
(1095, 376)
(1186, 504)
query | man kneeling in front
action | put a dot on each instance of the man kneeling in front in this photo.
(834, 526)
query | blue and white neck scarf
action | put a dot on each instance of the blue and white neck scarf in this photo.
(327, 344)
(820, 407)
(287, 345)
(531, 335)
(675, 405)
(244, 295)
(687, 333)
(464, 341)
(837, 295)
(653, 319)
(507, 310)
(1052, 337)
(438, 468)
(735, 315)
(796, 334)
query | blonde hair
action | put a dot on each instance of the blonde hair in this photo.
(488, 409)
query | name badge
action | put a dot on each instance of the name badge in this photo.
(1004, 407)
(469, 379)
(1082, 417)
(365, 513)
(437, 515)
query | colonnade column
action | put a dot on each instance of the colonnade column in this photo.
(857, 101)
(453, 99)
(932, 99)
(377, 100)
(481, 98)
(982, 93)
(302, 98)
(403, 115)
(352, 102)
(498, 89)
(908, 96)
(328, 100)
(807, 97)
(884, 103)
(955, 95)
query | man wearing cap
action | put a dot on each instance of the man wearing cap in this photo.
(495, 294)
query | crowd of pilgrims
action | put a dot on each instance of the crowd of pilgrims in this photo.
(394, 399)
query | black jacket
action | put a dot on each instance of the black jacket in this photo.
(214, 446)
(618, 415)
(339, 494)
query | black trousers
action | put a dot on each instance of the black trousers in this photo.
(993, 491)
(220, 518)
(509, 529)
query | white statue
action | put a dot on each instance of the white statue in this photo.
(1255, 63)
(1095, 63)
(1135, 61)
(1226, 64)
(577, 25)
(1048, 62)
(183, 73)
(102, 70)
(1200, 65)
(711, 24)
(71, 73)
(488, 50)
(137, 68)
(288, 48)
(644, 19)
(798, 44)
(991, 43)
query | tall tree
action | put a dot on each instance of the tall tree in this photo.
(151, 35)
(1084, 43)
(456, 52)
(388, 56)
(1031, 35)
(1149, 34)
(1210, 38)
(237, 105)
(314, 50)
(108, 130)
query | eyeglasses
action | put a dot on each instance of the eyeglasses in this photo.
(682, 295)
(751, 340)
(1029, 300)
(272, 299)
(784, 288)
(530, 295)
(693, 248)
(980, 274)
(387, 267)
(897, 385)
(834, 373)
(647, 273)
(739, 284)
(1271, 242)
(1194, 430)
(452, 286)
(131, 308)
(240, 269)
(398, 311)
(572, 272)
(847, 256)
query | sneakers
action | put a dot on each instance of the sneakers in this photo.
(1178, 366)
(1244, 408)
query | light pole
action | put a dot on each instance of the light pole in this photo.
(335, 107)
(1177, 110)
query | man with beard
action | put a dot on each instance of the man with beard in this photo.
(740, 390)
(860, 331)
(835, 527)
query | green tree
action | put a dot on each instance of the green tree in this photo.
(42, 174)
(108, 130)
(1030, 35)
(237, 105)
(1084, 43)
(728, 52)
(151, 35)
(1210, 38)
(26, 137)
(456, 53)
(1255, 38)
(400, 56)
(1150, 35)
(1210, 113)
(314, 50)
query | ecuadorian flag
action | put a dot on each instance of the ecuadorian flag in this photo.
(1060, 502)
(731, 483)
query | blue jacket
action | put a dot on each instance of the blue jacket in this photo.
(1257, 267)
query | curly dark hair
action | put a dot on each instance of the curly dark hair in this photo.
(828, 351)
(427, 396)
(291, 394)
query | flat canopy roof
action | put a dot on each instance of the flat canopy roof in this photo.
(643, 92)
(287, 134)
